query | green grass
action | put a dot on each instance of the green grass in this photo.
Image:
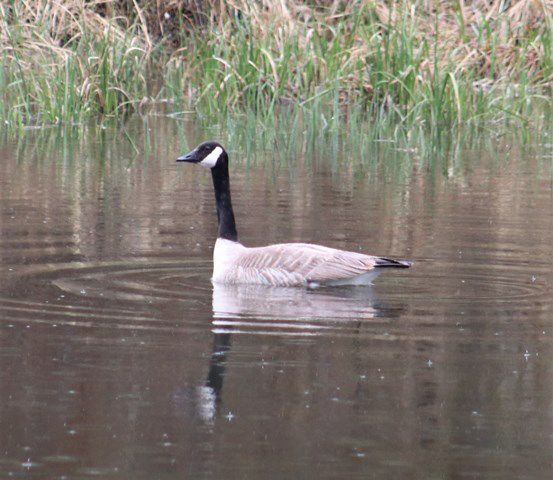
(92, 75)
(388, 68)
(401, 63)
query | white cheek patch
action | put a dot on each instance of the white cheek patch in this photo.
(211, 160)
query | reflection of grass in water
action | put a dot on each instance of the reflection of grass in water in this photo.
(355, 136)
(346, 140)
(434, 64)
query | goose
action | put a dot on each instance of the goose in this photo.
(279, 265)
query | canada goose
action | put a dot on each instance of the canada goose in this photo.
(285, 264)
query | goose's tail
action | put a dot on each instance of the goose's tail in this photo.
(382, 262)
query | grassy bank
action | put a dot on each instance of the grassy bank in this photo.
(427, 62)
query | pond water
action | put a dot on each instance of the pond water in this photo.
(120, 360)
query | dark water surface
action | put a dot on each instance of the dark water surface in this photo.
(119, 360)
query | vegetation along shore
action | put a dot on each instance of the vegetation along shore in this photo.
(430, 62)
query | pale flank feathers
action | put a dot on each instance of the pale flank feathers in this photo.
(289, 264)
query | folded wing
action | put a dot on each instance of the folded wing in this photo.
(297, 263)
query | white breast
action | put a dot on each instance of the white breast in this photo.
(225, 256)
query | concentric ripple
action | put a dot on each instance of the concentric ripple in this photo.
(136, 294)
(139, 282)
(169, 294)
(517, 287)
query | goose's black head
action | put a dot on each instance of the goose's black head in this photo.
(207, 154)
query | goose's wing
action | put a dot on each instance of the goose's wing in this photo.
(341, 265)
(294, 263)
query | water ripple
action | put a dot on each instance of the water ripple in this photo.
(141, 294)
(177, 295)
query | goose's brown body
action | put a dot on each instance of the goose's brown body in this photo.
(293, 264)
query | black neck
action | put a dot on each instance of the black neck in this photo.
(225, 215)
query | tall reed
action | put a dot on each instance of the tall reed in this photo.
(61, 62)
(433, 63)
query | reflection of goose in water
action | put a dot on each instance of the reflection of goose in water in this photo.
(209, 395)
(260, 310)
(285, 264)
(325, 306)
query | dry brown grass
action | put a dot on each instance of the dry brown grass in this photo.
(53, 26)
(455, 24)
